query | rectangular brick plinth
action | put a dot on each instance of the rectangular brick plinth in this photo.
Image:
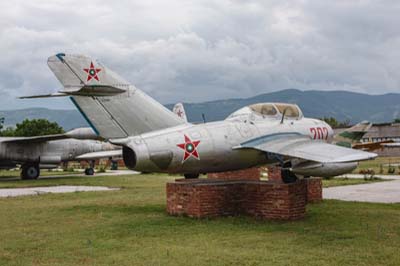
(313, 184)
(274, 174)
(262, 199)
(246, 174)
(314, 189)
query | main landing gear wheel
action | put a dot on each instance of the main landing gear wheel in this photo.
(30, 171)
(191, 176)
(288, 176)
(89, 171)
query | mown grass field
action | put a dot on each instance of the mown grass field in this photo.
(380, 165)
(130, 227)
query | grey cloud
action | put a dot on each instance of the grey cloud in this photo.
(204, 50)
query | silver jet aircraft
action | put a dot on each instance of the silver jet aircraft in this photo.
(154, 139)
(34, 153)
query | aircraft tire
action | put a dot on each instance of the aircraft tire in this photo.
(30, 171)
(191, 176)
(288, 176)
(89, 171)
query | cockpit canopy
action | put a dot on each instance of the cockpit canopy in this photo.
(269, 110)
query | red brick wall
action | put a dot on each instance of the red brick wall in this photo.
(313, 184)
(276, 201)
(274, 174)
(246, 174)
(212, 198)
(314, 189)
(202, 198)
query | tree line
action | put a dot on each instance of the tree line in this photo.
(30, 127)
(40, 127)
(334, 123)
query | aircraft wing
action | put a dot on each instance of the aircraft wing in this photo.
(390, 144)
(372, 146)
(100, 155)
(302, 147)
(34, 139)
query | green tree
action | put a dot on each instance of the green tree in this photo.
(1, 123)
(8, 132)
(334, 123)
(345, 123)
(331, 121)
(397, 120)
(37, 127)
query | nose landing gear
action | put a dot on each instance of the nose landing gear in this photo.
(191, 176)
(288, 176)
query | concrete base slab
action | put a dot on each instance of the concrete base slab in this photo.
(107, 173)
(16, 192)
(382, 192)
(359, 176)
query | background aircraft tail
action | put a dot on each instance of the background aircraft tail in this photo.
(113, 107)
(353, 135)
(179, 110)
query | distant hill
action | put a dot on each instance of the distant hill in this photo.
(68, 119)
(342, 105)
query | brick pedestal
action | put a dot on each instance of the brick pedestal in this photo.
(313, 184)
(246, 174)
(274, 174)
(314, 189)
(216, 197)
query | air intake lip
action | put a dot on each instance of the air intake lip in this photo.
(129, 157)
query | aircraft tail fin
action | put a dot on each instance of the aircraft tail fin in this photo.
(80, 75)
(353, 135)
(179, 110)
(113, 107)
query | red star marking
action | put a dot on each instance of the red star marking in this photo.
(190, 148)
(180, 113)
(92, 72)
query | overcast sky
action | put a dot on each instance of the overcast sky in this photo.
(193, 50)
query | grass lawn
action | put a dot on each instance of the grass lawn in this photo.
(130, 227)
(380, 165)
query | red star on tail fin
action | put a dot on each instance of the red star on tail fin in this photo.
(92, 72)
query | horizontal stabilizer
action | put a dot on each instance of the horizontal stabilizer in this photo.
(78, 133)
(52, 95)
(33, 139)
(97, 90)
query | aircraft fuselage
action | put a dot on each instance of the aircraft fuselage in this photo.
(209, 147)
(48, 152)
